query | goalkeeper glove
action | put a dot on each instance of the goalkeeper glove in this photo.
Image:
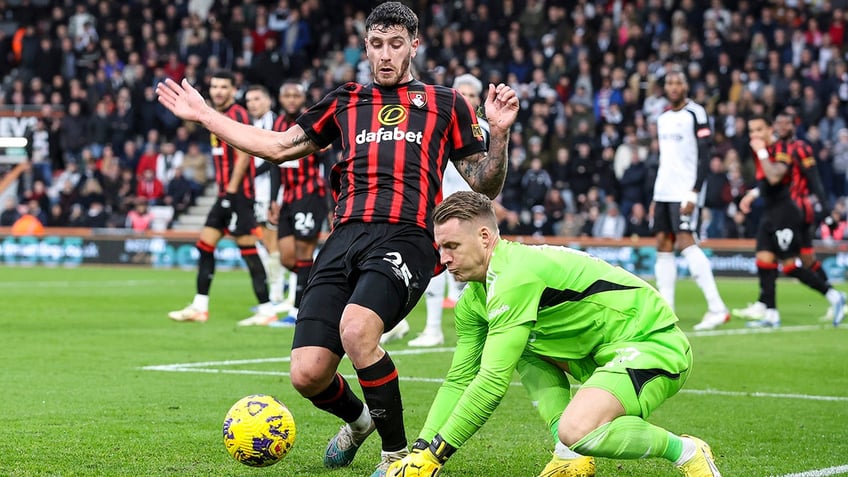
(424, 460)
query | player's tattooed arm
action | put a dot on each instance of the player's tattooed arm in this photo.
(486, 172)
(291, 145)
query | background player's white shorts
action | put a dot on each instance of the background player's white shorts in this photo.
(262, 187)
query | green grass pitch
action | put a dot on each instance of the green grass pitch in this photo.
(98, 382)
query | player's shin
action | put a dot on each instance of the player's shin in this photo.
(630, 437)
(702, 272)
(339, 400)
(665, 271)
(548, 388)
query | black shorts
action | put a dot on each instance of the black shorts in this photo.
(382, 267)
(238, 219)
(808, 233)
(303, 218)
(781, 230)
(667, 219)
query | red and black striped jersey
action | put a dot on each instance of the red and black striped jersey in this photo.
(395, 146)
(224, 156)
(778, 152)
(804, 164)
(302, 177)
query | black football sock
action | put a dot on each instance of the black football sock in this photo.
(303, 268)
(807, 277)
(817, 268)
(339, 400)
(257, 272)
(767, 272)
(382, 394)
(205, 267)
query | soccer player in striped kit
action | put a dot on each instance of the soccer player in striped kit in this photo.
(437, 296)
(232, 213)
(258, 102)
(304, 208)
(396, 134)
(782, 228)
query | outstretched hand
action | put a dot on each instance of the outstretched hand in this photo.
(181, 99)
(501, 106)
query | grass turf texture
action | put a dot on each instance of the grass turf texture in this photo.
(77, 400)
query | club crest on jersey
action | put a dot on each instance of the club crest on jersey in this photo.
(418, 98)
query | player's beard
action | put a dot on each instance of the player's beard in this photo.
(402, 74)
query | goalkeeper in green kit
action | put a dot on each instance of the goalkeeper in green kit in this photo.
(546, 312)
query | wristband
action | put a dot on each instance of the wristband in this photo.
(420, 445)
(754, 193)
(762, 154)
(441, 449)
(691, 198)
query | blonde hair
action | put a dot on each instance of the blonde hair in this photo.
(466, 206)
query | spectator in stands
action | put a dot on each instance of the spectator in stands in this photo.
(196, 165)
(139, 218)
(149, 188)
(718, 197)
(96, 217)
(830, 125)
(10, 212)
(73, 133)
(99, 129)
(581, 170)
(540, 225)
(610, 224)
(637, 222)
(39, 138)
(840, 162)
(632, 182)
(535, 183)
(572, 225)
(168, 160)
(180, 193)
(57, 217)
(590, 217)
(148, 160)
(90, 191)
(27, 224)
(836, 228)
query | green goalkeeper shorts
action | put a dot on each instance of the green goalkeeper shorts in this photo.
(641, 374)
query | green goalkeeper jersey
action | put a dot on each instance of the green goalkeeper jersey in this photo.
(550, 301)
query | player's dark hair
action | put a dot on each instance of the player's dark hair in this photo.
(226, 75)
(758, 117)
(258, 87)
(391, 14)
(465, 206)
(787, 113)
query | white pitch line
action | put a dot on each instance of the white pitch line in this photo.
(204, 368)
(755, 331)
(806, 397)
(838, 470)
(284, 359)
(86, 283)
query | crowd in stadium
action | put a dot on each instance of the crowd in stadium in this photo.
(589, 74)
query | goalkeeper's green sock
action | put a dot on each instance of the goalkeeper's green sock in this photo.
(631, 437)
